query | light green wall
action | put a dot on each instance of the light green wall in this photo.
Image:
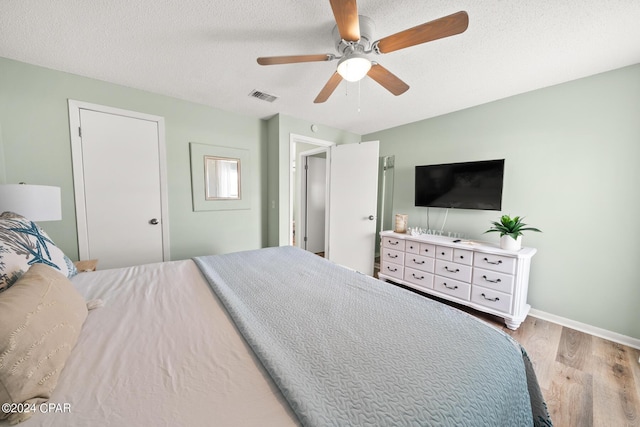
(34, 123)
(280, 129)
(572, 168)
(3, 175)
(572, 155)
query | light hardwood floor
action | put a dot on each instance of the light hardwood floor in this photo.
(586, 381)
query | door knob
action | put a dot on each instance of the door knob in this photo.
(153, 221)
(371, 217)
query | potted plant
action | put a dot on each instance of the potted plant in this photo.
(510, 230)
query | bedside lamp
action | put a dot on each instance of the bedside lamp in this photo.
(34, 202)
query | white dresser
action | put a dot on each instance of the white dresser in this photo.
(478, 275)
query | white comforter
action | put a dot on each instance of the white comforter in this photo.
(161, 352)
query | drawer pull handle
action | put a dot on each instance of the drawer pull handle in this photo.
(392, 269)
(393, 243)
(461, 256)
(410, 247)
(442, 253)
(454, 287)
(490, 299)
(492, 281)
(416, 277)
(457, 270)
(426, 250)
(417, 262)
(392, 256)
(493, 262)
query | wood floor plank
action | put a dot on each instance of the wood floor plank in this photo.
(569, 397)
(574, 349)
(541, 340)
(615, 397)
(634, 363)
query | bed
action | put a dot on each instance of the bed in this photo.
(277, 337)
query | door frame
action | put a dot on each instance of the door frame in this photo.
(78, 168)
(294, 176)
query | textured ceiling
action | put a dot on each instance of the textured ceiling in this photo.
(205, 51)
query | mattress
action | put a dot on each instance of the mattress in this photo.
(161, 351)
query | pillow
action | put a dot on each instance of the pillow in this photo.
(22, 244)
(40, 319)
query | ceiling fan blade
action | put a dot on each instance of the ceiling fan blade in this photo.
(387, 80)
(328, 89)
(274, 60)
(346, 14)
(443, 27)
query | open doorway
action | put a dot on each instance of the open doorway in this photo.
(313, 201)
(308, 216)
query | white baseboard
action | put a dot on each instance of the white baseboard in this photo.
(583, 327)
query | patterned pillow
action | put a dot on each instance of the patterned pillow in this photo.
(22, 244)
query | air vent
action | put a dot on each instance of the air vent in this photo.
(263, 96)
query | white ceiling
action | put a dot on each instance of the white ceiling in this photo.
(205, 51)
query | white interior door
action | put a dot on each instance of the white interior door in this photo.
(121, 205)
(353, 194)
(315, 193)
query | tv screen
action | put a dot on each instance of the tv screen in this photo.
(469, 185)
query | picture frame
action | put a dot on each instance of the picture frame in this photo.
(219, 177)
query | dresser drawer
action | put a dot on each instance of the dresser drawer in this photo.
(393, 243)
(452, 287)
(419, 262)
(412, 247)
(453, 270)
(418, 277)
(427, 249)
(444, 252)
(499, 263)
(493, 280)
(393, 270)
(492, 299)
(391, 255)
(463, 256)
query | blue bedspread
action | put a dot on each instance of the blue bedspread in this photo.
(348, 350)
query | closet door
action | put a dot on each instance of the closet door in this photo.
(118, 170)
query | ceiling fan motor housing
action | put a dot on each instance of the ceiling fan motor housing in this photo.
(361, 46)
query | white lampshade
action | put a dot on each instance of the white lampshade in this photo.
(354, 67)
(34, 202)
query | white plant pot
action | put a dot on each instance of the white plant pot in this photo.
(508, 243)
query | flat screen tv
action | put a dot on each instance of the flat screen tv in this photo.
(469, 185)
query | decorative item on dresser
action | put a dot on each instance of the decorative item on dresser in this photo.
(479, 275)
(510, 230)
(401, 223)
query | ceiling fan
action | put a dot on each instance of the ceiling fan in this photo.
(353, 34)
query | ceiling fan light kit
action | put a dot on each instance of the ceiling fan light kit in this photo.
(353, 35)
(354, 67)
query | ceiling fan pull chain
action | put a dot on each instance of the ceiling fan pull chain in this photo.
(359, 95)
